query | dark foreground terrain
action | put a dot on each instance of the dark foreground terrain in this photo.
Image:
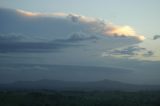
(79, 98)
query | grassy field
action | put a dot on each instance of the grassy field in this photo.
(79, 98)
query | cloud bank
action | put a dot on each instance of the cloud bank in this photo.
(96, 25)
(28, 31)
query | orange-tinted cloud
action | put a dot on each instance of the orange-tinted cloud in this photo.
(96, 25)
(122, 31)
(27, 13)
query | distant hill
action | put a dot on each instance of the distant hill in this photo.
(33, 72)
(102, 85)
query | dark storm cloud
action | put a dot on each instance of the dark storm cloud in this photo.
(128, 51)
(156, 37)
(32, 47)
(13, 43)
(132, 51)
(17, 43)
(148, 53)
(74, 18)
(77, 37)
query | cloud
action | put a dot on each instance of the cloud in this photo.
(122, 31)
(18, 43)
(148, 53)
(77, 37)
(37, 47)
(13, 42)
(37, 22)
(156, 37)
(27, 13)
(24, 31)
(33, 14)
(130, 51)
(107, 29)
(11, 37)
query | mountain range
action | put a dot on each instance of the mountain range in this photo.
(59, 85)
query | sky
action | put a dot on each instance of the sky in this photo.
(121, 34)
